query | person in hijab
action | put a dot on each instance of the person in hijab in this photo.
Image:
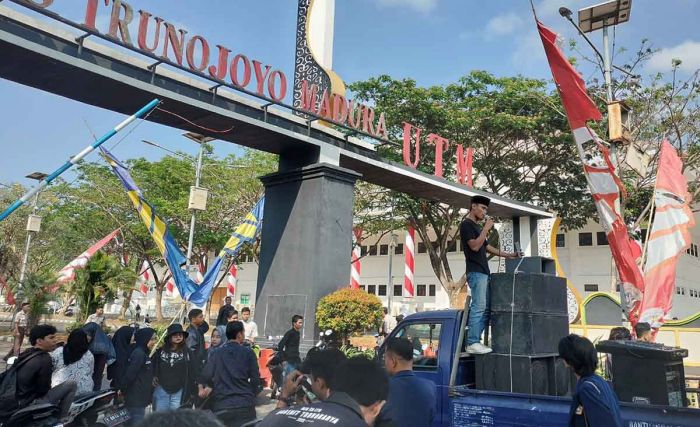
(73, 362)
(138, 375)
(102, 349)
(174, 372)
(122, 342)
(218, 338)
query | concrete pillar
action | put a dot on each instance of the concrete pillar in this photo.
(306, 244)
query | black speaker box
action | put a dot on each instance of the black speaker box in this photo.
(534, 292)
(543, 374)
(647, 373)
(532, 264)
(533, 333)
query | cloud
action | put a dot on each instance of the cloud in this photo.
(503, 25)
(688, 52)
(423, 6)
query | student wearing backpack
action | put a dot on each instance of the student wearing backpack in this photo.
(32, 373)
(138, 376)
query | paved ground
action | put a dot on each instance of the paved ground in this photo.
(263, 407)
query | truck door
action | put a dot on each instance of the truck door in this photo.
(426, 338)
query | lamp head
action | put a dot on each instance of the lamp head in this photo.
(565, 12)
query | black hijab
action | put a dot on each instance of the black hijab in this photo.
(122, 341)
(142, 337)
(76, 347)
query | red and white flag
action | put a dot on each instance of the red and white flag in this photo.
(669, 236)
(144, 278)
(9, 296)
(169, 285)
(604, 184)
(231, 281)
(355, 264)
(409, 257)
(67, 273)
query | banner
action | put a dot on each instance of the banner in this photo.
(67, 273)
(669, 236)
(604, 184)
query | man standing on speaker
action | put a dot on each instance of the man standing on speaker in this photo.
(474, 241)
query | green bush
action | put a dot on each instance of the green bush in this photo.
(348, 312)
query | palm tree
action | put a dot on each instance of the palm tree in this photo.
(34, 291)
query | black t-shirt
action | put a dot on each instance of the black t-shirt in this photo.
(172, 370)
(476, 261)
(338, 410)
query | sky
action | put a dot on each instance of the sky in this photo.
(432, 41)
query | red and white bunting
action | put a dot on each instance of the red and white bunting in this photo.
(355, 264)
(144, 278)
(231, 281)
(170, 286)
(67, 273)
(409, 251)
(604, 184)
(669, 237)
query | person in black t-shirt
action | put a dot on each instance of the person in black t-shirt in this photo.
(474, 241)
(174, 373)
(289, 345)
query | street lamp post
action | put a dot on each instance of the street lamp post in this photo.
(201, 140)
(390, 286)
(33, 226)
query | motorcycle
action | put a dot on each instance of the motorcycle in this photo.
(99, 408)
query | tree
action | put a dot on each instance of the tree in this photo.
(514, 125)
(97, 283)
(349, 311)
(34, 291)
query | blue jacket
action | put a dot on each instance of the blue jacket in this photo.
(411, 401)
(594, 404)
(233, 372)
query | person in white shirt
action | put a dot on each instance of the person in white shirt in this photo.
(19, 330)
(388, 324)
(97, 317)
(251, 328)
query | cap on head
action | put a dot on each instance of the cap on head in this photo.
(481, 200)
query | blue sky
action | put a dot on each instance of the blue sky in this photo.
(432, 41)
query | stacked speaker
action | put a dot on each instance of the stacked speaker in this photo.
(528, 318)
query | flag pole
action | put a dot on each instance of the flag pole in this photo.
(534, 12)
(651, 214)
(78, 157)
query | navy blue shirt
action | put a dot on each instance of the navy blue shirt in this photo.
(233, 372)
(412, 401)
(594, 404)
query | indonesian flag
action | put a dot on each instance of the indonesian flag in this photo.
(604, 184)
(231, 281)
(409, 258)
(144, 277)
(67, 273)
(669, 237)
(170, 285)
(355, 265)
(9, 296)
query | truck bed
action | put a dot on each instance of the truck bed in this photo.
(472, 408)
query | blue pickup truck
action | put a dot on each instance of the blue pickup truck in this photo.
(439, 356)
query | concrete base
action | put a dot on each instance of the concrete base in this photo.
(306, 244)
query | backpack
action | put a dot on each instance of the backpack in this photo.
(8, 387)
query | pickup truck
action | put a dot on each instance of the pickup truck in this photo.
(439, 356)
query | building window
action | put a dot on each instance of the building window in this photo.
(373, 250)
(383, 249)
(363, 250)
(399, 249)
(398, 290)
(431, 290)
(585, 239)
(382, 290)
(420, 290)
(372, 289)
(362, 288)
(590, 288)
(678, 291)
(245, 299)
(601, 239)
(617, 288)
(683, 291)
(421, 248)
(561, 240)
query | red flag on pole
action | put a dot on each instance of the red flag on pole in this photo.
(67, 273)
(232, 279)
(9, 296)
(355, 264)
(669, 236)
(144, 277)
(410, 251)
(604, 184)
